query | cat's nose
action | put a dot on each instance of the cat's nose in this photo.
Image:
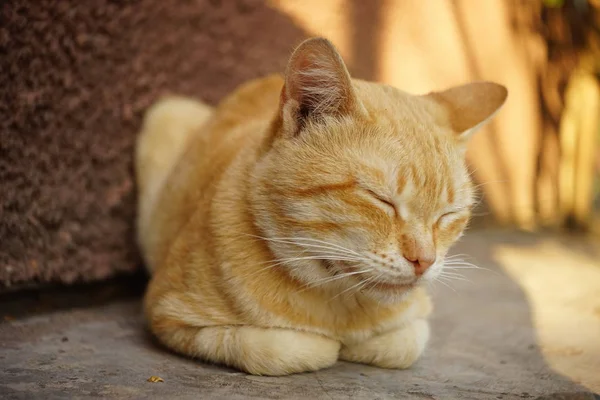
(421, 262)
(419, 251)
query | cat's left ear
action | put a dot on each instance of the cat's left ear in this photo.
(471, 106)
(317, 85)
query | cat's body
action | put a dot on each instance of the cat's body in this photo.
(267, 252)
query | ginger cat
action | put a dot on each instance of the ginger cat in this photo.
(295, 224)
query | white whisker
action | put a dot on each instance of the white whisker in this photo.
(437, 279)
(346, 290)
(454, 277)
(330, 279)
(457, 266)
(333, 257)
(456, 256)
(301, 241)
(364, 283)
(460, 263)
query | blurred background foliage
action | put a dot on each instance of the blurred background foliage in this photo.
(571, 30)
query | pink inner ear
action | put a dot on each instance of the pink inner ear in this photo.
(472, 104)
(317, 79)
(296, 74)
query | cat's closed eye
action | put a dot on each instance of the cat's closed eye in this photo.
(382, 200)
(448, 217)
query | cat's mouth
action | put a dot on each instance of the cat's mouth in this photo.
(352, 272)
(390, 286)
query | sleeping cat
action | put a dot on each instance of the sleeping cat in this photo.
(295, 223)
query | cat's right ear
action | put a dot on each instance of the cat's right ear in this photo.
(317, 86)
(469, 107)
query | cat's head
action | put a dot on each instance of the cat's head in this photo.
(365, 186)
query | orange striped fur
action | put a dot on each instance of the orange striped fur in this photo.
(295, 223)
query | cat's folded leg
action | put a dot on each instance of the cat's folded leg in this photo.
(259, 351)
(395, 349)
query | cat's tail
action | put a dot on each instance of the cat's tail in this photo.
(167, 127)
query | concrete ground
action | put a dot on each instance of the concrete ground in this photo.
(526, 326)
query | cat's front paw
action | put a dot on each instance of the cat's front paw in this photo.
(396, 349)
(277, 352)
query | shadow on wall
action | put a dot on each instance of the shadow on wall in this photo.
(365, 20)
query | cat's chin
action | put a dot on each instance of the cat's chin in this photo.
(393, 287)
(388, 287)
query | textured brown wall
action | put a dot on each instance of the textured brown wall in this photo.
(75, 79)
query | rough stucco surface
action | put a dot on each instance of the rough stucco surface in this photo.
(76, 78)
(483, 347)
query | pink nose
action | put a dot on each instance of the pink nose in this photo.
(421, 264)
